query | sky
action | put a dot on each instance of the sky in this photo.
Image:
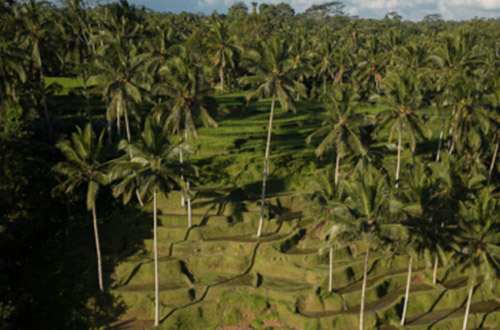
(413, 10)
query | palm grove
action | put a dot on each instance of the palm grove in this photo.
(419, 176)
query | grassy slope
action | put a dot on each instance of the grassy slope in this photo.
(218, 274)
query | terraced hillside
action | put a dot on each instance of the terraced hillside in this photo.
(219, 275)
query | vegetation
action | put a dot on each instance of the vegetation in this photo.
(217, 89)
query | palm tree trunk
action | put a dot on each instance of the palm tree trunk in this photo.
(324, 83)
(330, 275)
(98, 249)
(183, 199)
(188, 184)
(89, 111)
(493, 160)
(44, 98)
(469, 298)
(441, 136)
(453, 139)
(363, 288)
(435, 271)
(407, 294)
(157, 291)
(127, 127)
(221, 75)
(110, 123)
(118, 124)
(266, 160)
(398, 165)
(455, 132)
(337, 165)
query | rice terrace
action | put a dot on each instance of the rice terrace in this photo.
(259, 168)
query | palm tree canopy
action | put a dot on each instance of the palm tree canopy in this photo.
(83, 163)
(275, 73)
(149, 164)
(340, 126)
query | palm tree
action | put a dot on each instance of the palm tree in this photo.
(36, 24)
(325, 57)
(188, 101)
(120, 67)
(275, 71)
(426, 211)
(83, 165)
(150, 167)
(339, 125)
(366, 211)
(454, 55)
(479, 239)
(323, 200)
(372, 64)
(493, 100)
(222, 48)
(402, 96)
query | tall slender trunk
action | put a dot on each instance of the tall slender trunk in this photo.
(435, 271)
(157, 287)
(441, 136)
(330, 275)
(493, 160)
(188, 184)
(118, 124)
(324, 83)
(363, 288)
(337, 165)
(455, 132)
(109, 128)
(86, 94)
(266, 160)
(127, 127)
(469, 298)
(44, 98)
(407, 294)
(110, 122)
(454, 139)
(98, 249)
(221, 75)
(398, 165)
(183, 199)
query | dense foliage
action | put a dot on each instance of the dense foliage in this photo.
(139, 67)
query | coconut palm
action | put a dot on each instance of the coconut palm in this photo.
(187, 102)
(455, 54)
(120, 67)
(83, 164)
(148, 166)
(402, 97)
(222, 47)
(275, 71)
(479, 239)
(428, 216)
(36, 24)
(325, 57)
(339, 126)
(323, 200)
(366, 211)
(493, 100)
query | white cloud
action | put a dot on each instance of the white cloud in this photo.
(409, 9)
